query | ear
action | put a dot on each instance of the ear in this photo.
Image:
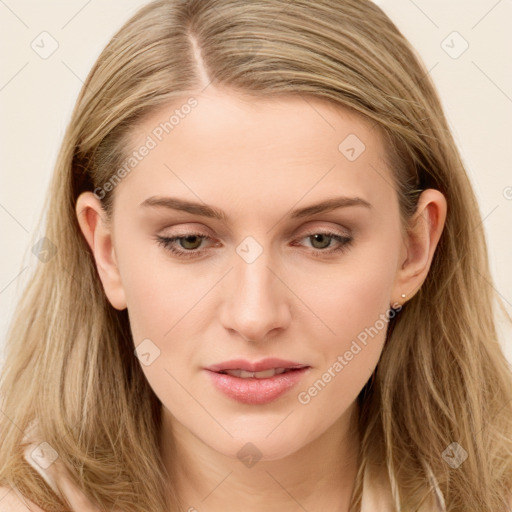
(97, 232)
(425, 228)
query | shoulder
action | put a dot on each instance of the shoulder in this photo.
(12, 501)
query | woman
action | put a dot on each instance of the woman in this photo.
(270, 288)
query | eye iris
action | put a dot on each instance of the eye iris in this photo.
(325, 238)
(187, 239)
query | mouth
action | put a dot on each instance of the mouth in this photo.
(256, 383)
(256, 367)
(264, 374)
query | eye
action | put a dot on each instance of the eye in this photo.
(188, 241)
(187, 245)
(321, 242)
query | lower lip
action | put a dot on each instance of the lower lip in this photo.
(256, 391)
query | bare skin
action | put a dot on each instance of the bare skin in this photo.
(258, 160)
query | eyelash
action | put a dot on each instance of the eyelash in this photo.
(168, 244)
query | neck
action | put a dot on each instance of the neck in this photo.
(319, 476)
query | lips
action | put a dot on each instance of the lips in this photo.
(256, 382)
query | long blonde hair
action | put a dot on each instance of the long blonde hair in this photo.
(442, 376)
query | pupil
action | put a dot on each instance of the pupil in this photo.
(319, 236)
(188, 239)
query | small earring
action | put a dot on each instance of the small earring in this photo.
(403, 295)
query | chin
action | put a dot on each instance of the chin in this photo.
(258, 445)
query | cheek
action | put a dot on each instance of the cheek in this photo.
(161, 307)
(352, 296)
(166, 308)
(158, 292)
(353, 303)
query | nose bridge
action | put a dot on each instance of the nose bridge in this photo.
(256, 301)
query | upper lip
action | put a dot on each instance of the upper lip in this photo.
(256, 366)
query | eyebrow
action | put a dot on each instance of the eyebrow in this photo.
(204, 210)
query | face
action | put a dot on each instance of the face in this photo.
(272, 277)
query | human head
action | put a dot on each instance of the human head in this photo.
(246, 156)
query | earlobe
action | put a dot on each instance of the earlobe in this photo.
(97, 232)
(425, 229)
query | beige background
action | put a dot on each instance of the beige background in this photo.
(37, 95)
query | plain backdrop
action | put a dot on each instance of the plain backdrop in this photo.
(49, 47)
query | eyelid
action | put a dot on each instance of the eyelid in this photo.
(307, 231)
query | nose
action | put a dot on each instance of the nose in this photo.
(257, 304)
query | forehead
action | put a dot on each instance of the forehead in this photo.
(257, 151)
